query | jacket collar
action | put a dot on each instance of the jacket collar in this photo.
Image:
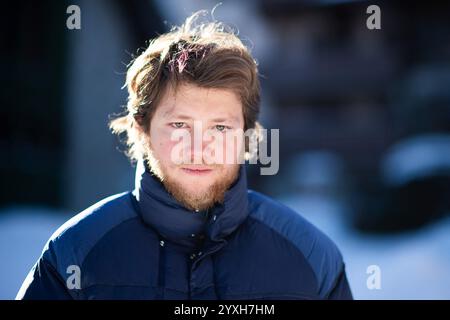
(174, 222)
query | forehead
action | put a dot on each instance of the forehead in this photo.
(193, 100)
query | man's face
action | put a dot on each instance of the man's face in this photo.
(197, 113)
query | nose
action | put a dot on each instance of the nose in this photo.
(199, 141)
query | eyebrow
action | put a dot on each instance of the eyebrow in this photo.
(232, 118)
(187, 117)
(178, 116)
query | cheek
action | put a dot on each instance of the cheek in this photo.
(162, 145)
(232, 148)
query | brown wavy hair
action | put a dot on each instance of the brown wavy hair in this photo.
(206, 54)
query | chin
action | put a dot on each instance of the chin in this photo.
(196, 188)
(190, 183)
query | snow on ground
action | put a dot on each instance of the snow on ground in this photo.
(414, 265)
(23, 234)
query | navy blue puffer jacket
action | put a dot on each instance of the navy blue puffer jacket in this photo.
(145, 245)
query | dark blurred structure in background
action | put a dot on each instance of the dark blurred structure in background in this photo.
(344, 88)
(59, 87)
(32, 134)
(363, 114)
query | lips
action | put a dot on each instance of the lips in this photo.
(197, 171)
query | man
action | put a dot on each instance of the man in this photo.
(191, 229)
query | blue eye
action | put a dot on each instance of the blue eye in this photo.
(222, 128)
(177, 125)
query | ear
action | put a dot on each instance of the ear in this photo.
(252, 142)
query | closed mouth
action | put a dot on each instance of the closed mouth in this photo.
(197, 171)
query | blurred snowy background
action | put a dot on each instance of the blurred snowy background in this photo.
(364, 118)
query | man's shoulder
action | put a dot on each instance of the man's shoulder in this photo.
(71, 242)
(318, 249)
